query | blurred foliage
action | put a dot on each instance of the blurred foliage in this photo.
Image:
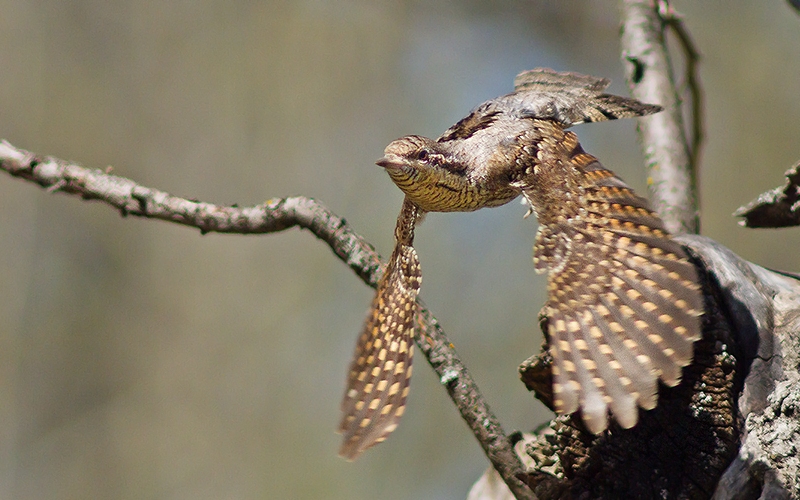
(142, 360)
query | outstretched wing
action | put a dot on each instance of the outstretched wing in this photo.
(570, 98)
(546, 79)
(542, 93)
(377, 383)
(623, 303)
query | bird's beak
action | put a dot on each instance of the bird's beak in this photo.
(390, 161)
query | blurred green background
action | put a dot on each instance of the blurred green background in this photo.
(141, 360)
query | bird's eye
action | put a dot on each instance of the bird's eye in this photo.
(422, 155)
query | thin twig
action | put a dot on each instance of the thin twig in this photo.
(674, 21)
(275, 215)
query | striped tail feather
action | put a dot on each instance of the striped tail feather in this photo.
(380, 373)
(379, 376)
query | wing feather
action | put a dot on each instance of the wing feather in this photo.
(569, 98)
(638, 369)
(565, 384)
(615, 379)
(625, 293)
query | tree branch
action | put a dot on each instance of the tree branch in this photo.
(473, 407)
(675, 22)
(275, 215)
(667, 154)
(777, 207)
(130, 198)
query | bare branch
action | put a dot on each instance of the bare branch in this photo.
(668, 156)
(473, 407)
(130, 198)
(275, 215)
(675, 23)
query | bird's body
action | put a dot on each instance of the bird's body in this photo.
(623, 304)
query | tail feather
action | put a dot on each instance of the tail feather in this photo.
(380, 373)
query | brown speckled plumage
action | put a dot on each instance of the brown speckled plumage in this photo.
(377, 383)
(623, 308)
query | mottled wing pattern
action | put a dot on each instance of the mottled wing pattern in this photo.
(551, 249)
(569, 98)
(624, 305)
(539, 79)
(377, 383)
(480, 118)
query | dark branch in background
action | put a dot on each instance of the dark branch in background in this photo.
(779, 207)
(273, 216)
(668, 155)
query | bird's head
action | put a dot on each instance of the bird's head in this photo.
(428, 174)
(413, 155)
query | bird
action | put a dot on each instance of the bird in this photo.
(623, 307)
